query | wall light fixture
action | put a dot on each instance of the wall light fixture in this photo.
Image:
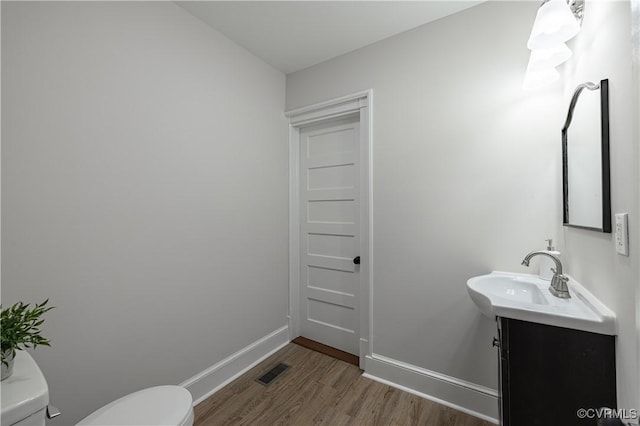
(556, 22)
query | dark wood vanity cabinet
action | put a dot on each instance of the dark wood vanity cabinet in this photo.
(548, 373)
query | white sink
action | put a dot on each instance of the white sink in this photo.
(527, 297)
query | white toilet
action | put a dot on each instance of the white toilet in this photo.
(160, 405)
(25, 399)
(25, 394)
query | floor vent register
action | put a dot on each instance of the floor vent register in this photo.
(268, 378)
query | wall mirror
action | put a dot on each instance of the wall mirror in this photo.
(585, 159)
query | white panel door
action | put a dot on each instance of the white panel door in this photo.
(330, 233)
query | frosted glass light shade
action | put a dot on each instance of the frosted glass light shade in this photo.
(549, 58)
(538, 76)
(554, 24)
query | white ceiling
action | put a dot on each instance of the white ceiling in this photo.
(292, 35)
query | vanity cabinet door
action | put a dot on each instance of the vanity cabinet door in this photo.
(503, 376)
(549, 373)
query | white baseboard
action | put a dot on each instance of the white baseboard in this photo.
(470, 398)
(214, 378)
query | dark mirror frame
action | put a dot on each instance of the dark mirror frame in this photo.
(606, 178)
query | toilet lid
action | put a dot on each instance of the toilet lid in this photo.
(160, 405)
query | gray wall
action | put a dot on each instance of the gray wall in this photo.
(144, 190)
(635, 24)
(467, 176)
(603, 50)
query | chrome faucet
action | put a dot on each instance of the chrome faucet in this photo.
(558, 287)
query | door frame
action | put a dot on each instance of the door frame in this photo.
(361, 103)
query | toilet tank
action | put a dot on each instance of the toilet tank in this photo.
(25, 394)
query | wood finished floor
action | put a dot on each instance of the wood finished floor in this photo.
(320, 390)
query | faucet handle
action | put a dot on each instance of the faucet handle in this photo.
(559, 287)
(562, 283)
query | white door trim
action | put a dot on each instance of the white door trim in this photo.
(361, 103)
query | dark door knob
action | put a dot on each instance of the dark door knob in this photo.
(356, 260)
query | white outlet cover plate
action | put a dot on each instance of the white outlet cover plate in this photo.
(622, 234)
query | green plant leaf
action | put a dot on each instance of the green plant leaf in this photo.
(19, 326)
